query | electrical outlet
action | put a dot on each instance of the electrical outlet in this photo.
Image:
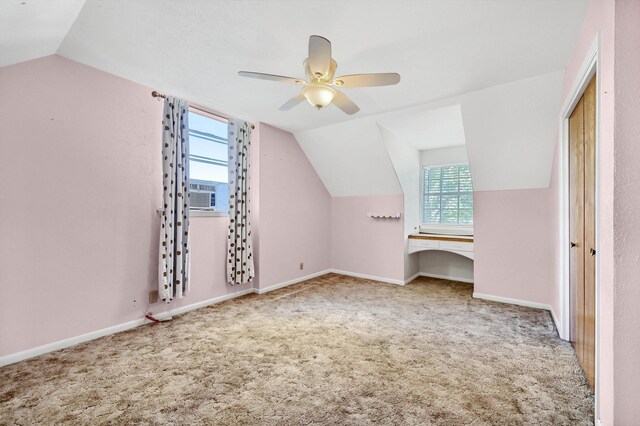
(153, 296)
(134, 303)
(301, 266)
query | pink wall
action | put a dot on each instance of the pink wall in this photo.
(295, 211)
(366, 245)
(616, 24)
(617, 383)
(599, 22)
(78, 248)
(255, 201)
(82, 245)
(626, 336)
(512, 245)
(554, 212)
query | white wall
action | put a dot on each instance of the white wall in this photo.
(446, 264)
(444, 156)
(406, 162)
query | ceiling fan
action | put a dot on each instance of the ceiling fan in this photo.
(319, 86)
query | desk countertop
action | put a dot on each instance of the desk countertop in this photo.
(439, 237)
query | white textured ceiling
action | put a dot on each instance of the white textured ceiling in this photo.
(430, 129)
(30, 29)
(441, 48)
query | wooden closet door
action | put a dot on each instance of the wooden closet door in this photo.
(582, 229)
(576, 227)
(589, 255)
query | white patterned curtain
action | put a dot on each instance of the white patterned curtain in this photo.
(240, 268)
(174, 262)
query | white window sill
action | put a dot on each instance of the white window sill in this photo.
(202, 213)
(207, 213)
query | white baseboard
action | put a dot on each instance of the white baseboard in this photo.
(291, 282)
(557, 323)
(198, 305)
(368, 277)
(411, 278)
(446, 277)
(65, 343)
(512, 301)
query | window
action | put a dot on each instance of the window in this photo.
(447, 195)
(208, 163)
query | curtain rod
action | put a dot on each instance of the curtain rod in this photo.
(157, 94)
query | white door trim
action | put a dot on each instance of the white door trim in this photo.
(590, 66)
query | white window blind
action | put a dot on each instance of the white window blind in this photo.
(447, 195)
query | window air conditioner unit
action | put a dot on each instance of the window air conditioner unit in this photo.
(202, 196)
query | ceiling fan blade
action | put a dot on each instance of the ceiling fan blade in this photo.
(367, 80)
(319, 55)
(292, 102)
(344, 103)
(272, 77)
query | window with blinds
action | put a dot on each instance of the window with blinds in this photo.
(447, 195)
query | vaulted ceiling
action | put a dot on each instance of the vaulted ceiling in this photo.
(195, 48)
(488, 72)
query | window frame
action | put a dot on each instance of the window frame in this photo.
(198, 212)
(421, 212)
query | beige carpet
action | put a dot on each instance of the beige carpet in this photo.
(333, 350)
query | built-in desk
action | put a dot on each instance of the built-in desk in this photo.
(462, 245)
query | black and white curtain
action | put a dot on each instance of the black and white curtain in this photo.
(240, 268)
(174, 262)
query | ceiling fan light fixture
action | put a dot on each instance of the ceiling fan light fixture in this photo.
(318, 86)
(318, 95)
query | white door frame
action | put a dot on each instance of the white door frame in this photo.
(590, 66)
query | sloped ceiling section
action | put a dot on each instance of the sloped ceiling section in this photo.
(430, 129)
(510, 132)
(30, 29)
(351, 158)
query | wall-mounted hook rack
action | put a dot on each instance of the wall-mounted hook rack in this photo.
(384, 215)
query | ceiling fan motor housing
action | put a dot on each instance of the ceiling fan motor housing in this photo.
(313, 77)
